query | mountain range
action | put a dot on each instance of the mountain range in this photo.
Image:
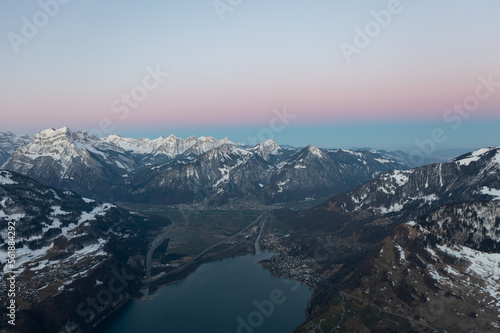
(174, 171)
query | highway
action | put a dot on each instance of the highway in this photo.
(152, 248)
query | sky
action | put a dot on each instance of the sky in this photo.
(383, 74)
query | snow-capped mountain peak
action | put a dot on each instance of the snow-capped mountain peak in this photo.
(266, 148)
(166, 148)
(315, 151)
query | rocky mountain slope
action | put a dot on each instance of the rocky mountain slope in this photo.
(67, 247)
(400, 195)
(450, 208)
(440, 273)
(72, 160)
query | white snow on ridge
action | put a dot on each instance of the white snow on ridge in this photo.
(5, 178)
(402, 256)
(24, 255)
(170, 146)
(400, 177)
(315, 151)
(382, 160)
(90, 248)
(280, 184)
(355, 153)
(490, 191)
(99, 210)
(57, 211)
(393, 209)
(497, 158)
(474, 156)
(13, 217)
(264, 149)
(428, 198)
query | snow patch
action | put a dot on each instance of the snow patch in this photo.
(490, 191)
(483, 265)
(57, 211)
(402, 256)
(5, 178)
(382, 160)
(97, 211)
(473, 157)
(393, 209)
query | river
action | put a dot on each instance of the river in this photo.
(227, 296)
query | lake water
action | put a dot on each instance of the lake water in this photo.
(227, 296)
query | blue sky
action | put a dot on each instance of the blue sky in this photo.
(226, 76)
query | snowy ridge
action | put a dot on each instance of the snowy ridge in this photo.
(471, 177)
(315, 151)
(266, 149)
(475, 156)
(170, 146)
(5, 178)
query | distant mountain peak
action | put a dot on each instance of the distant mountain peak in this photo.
(315, 151)
(266, 148)
(72, 136)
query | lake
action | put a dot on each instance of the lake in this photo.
(227, 296)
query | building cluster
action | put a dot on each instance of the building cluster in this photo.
(287, 266)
